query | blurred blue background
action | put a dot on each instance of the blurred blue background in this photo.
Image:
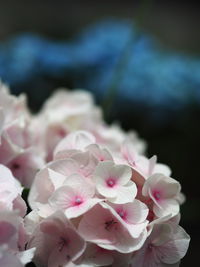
(111, 53)
(141, 59)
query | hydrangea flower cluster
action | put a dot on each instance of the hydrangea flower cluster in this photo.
(95, 198)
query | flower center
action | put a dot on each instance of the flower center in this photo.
(150, 246)
(77, 201)
(109, 224)
(157, 195)
(122, 214)
(15, 166)
(110, 182)
(62, 243)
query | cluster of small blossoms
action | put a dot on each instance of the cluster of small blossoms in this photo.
(13, 236)
(96, 199)
(17, 150)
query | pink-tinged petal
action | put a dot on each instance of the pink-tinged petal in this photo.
(101, 154)
(175, 249)
(103, 170)
(51, 227)
(132, 213)
(59, 258)
(53, 133)
(95, 256)
(106, 190)
(156, 196)
(56, 241)
(11, 233)
(56, 178)
(111, 234)
(31, 221)
(44, 210)
(137, 212)
(168, 206)
(78, 183)
(8, 150)
(25, 165)
(151, 183)
(86, 163)
(17, 132)
(160, 249)
(123, 173)
(152, 163)
(8, 259)
(136, 230)
(64, 166)
(22, 236)
(162, 168)
(121, 259)
(10, 190)
(159, 220)
(155, 167)
(168, 186)
(64, 154)
(161, 234)
(7, 231)
(141, 260)
(41, 189)
(76, 140)
(94, 219)
(75, 211)
(7, 177)
(106, 169)
(26, 256)
(125, 194)
(113, 182)
(63, 198)
(20, 205)
(128, 244)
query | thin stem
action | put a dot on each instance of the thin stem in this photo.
(123, 61)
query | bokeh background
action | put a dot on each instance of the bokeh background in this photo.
(141, 59)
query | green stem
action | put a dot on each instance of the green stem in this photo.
(123, 61)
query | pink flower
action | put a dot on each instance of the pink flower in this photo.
(144, 166)
(57, 242)
(64, 112)
(163, 191)
(113, 182)
(95, 256)
(10, 192)
(25, 165)
(16, 138)
(74, 142)
(133, 215)
(83, 163)
(13, 240)
(166, 246)
(45, 183)
(112, 137)
(112, 233)
(75, 197)
(101, 154)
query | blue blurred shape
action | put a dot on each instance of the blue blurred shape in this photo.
(152, 76)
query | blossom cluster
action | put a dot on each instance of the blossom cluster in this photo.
(95, 199)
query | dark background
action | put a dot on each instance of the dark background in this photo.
(176, 25)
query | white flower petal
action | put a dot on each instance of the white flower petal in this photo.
(168, 206)
(125, 194)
